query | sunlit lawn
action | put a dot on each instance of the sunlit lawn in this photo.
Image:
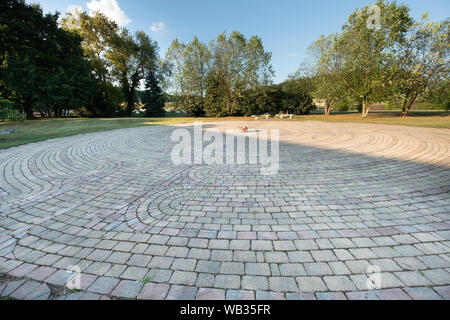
(38, 130)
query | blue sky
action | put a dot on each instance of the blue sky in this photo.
(287, 27)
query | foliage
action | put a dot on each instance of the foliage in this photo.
(7, 111)
(212, 78)
(42, 66)
(424, 61)
(275, 99)
(153, 97)
(131, 58)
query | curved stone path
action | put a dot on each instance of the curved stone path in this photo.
(347, 197)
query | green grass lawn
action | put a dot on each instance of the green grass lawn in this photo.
(38, 130)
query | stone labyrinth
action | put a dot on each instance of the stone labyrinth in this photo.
(352, 205)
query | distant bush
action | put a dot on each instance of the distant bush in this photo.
(343, 107)
(8, 113)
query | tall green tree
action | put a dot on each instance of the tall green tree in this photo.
(43, 66)
(153, 96)
(364, 56)
(97, 32)
(423, 60)
(131, 57)
(238, 64)
(190, 65)
(324, 72)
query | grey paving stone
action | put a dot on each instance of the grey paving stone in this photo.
(232, 268)
(182, 293)
(311, 284)
(257, 269)
(240, 295)
(183, 278)
(160, 275)
(152, 291)
(255, 283)
(330, 296)
(339, 283)
(422, 293)
(292, 270)
(225, 281)
(134, 273)
(283, 284)
(103, 285)
(318, 269)
(208, 267)
(413, 278)
(127, 289)
(300, 296)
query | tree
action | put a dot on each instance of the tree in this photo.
(363, 57)
(97, 32)
(153, 97)
(324, 72)
(238, 65)
(7, 111)
(423, 60)
(190, 64)
(131, 57)
(295, 98)
(42, 65)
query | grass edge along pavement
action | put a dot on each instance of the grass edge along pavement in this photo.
(45, 129)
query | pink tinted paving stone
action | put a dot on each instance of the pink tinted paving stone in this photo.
(443, 292)
(41, 273)
(362, 295)
(87, 280)
(22, 270)
(264, 295)
(392, 294)
(210, 294)
(246, 236)
(25, 290)
(152, 291)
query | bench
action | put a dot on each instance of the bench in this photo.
(281, 116)
(257, 117)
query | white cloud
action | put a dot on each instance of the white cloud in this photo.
(111, 9)
(158, 27)
(292, 54)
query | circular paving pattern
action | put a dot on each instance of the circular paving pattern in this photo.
(346, 197)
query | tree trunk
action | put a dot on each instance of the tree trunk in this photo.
(366, 109)
(29, 112)
(409, 104)
(327, 108)
(405, 108)
(130, 102)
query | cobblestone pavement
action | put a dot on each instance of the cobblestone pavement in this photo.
(347, 197)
